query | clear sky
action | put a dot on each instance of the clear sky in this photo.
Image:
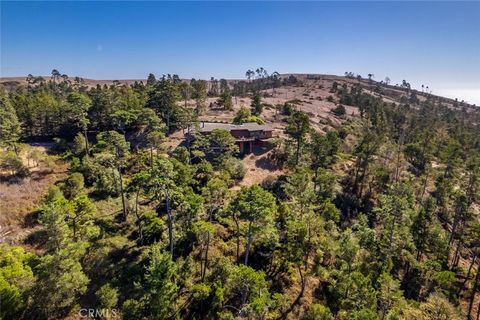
(431, 43)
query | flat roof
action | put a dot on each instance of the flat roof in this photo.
(250, 126)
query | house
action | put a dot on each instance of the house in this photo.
(246, 135)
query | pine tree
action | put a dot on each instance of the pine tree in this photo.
(10, 130)
(298, 127)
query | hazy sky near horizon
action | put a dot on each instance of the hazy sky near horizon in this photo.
(431, 43)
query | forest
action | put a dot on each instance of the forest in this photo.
(376, 215)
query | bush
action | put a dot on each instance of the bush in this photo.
(339, 110)
(318, 312)
(330, 211)
(342, 133)
(269, 182)
(16, 279)
(203, 171)
(35, 155)
(181, 154)
(132, 309)
(79, 145)
(201, 291)
(242, 114)
(287, 109)
(50, 164)
(102, 178)
(225, 100)
(74, 185)
(235, 168)
(107, 296)
(153, 227)
(13, 164)
(256, 104)
(105, 185)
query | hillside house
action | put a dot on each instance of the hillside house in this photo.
(247, 135)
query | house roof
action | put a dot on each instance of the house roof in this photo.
(250, 126)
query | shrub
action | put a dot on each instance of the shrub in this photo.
(181, 154)
(225, 100)
(255, 119)
(13, 164)
(235, 168)
(242, 114)
(106, 185)
(256, 104)
(342, 133)
(339, 110)
(287, 109)
(153, 227)
(79, 144)
(132, 309)
(269, 182)
(74, 185)
(107, 296)
(245, 115)
(35, 155)
(201, 291)
(318, 312)
(16, 278)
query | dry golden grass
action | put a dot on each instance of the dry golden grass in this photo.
(19, 200)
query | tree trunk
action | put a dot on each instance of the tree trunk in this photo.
(139, 220)
(249, 243)
(74, 229)
(424, 187)
(454, 228)
(122, 193)
(468, 273)
(189, 147)
(456, 256)
(397, 165)
(115, 180)
(315, 179)
(297, 154)
(170, 223)
(452, 234)
(474, 291)
(478, 311)
(168, 122)
(362, 178)
(357, 173)
(302, 282)
(206, 256)
(151, 157)
(87, 147)
(201, 264)
(384, 312)
(238, 236)
(419, 255)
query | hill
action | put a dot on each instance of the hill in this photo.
(363, 205)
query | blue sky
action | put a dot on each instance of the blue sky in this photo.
(431, 43)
